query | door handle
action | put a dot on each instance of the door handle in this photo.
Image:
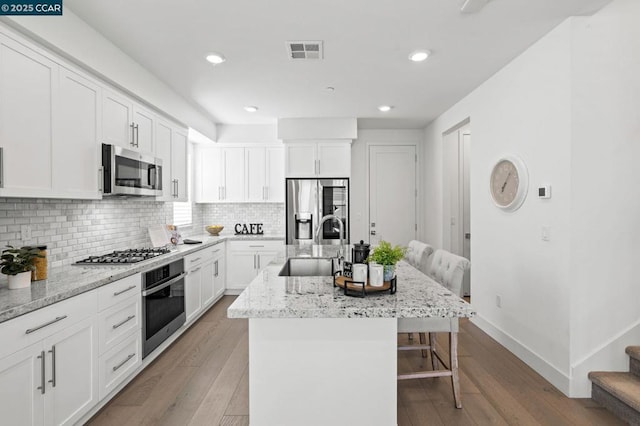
(53, 366)
(373, 232)
(123, 322)
(100, 176)
(42, 373)
(123, 362)
(137, 136)
(133, 141)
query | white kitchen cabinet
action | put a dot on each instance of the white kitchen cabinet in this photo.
(27, 90)
(193, 293)
(75, 135)
(203, 282)
(219, 275)
(208, 175)
(245, 259)
(171, 146)
(233, 169)
(256, 173)
(126, 123)
(53, 381)
(207, 282)
(275, 174)
(318, 159)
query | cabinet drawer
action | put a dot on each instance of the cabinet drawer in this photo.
(118, 291)
(256, 246)
(118, 321)
(118, 363)
(23, 331)
(203, 255)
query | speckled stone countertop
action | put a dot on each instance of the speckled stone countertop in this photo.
(71, 280)
(272, 296)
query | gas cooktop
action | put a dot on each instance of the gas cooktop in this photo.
(124, 256)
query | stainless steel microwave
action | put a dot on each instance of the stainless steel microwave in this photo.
(127, 172)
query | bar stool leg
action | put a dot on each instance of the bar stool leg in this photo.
(455, 379)
(432, 343)
(423, 340)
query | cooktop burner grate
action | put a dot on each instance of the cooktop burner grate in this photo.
(124, 256)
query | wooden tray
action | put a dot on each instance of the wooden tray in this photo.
(360, 289)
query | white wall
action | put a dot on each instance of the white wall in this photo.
(570, 107)
(69, 35)
(523, 110)
(248, 133)
(359, 185)
(605, 196)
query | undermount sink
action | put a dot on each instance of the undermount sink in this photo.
(307, 267)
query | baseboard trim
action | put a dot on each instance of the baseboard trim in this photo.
(556, 377)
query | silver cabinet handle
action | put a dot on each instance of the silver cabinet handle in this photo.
(100, 178)
(137, 136)
(133, 141)
(195, 260)
(163, 286)
(193, 271)
(256, 245)
(42, 373)
(118, 293)
(258, 256)
(318, 166)
(216, 264)
(219, 193)
(373, 232)
(267, 190)
(53, 366)
(123, 322)
(53, 321)
(177, 188)
(254, 261)
(115, 368)
(1, 167)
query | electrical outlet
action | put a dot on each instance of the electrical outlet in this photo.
(25, 232)
(499, 301)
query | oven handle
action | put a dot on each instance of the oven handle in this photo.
(163, 286)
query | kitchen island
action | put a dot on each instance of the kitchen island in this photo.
(318, 357)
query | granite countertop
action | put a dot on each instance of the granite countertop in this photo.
(70, 280)
(272, 296)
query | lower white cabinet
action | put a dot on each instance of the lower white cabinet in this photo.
(53, 381)
(204, 282)
(119, 362)
(246, 259)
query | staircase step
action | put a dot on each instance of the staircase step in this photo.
(634, 359)
(619, 392)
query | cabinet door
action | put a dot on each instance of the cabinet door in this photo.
(207, 291)
(219, 277)
(21, 402)
(334, 159)
(208, 174)
(256, 174)
(241, 269)
(179, 165)
(300, 159)
(76, 138)
(117, 113)
(163, 151)
(234, 175)
(264, 258)
(275, 174)
(72, 372)
(193, 292)
(26, 131)
(143, 122)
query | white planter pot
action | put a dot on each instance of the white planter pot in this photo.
(22, 280)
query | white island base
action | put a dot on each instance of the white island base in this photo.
(322, 371)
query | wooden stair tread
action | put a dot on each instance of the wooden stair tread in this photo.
(633, 352)
(623, 385)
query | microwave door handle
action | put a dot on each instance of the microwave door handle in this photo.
(149, 178)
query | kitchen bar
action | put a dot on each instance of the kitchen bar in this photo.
(326, 357)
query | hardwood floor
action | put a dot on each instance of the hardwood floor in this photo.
(202, 379)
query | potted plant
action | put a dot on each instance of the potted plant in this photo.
(387, 256)
(17, 263)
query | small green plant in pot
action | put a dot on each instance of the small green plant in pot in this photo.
(386, 255)
(17, 263)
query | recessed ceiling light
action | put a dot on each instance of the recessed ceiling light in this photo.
(251, 108)
(216, 58)
(419, 55)
(385, 108)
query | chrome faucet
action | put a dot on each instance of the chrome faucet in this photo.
(341, 231)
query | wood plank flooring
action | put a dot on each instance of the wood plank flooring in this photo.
(202, 379)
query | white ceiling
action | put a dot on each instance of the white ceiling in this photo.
(366, 45)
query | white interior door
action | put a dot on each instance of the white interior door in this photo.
(392, 194)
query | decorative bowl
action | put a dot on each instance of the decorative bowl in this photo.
(214, 229)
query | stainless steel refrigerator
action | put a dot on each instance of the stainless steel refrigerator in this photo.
(308, 201)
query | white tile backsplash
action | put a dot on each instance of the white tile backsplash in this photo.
(74, 229)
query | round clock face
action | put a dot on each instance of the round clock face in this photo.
(508, 183)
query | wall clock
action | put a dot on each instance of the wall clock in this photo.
(509, 183)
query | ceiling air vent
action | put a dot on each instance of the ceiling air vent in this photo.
(304, 49)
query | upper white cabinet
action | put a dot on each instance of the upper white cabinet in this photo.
(318, 159)
(76, 130)
(27, 85)
(126, 123)
(239, 174)
(171, 147)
